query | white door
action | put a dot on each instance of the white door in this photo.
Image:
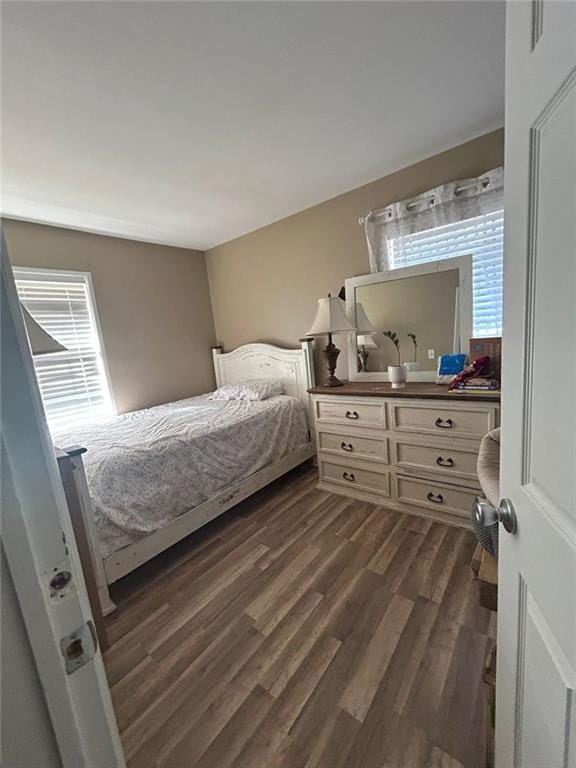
(536, 678)
(38, 542)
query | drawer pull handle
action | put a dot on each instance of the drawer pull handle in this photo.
(449, 462)
(348, 476)
(444, 423)
(437, 499)
(352, 415)
(348, 447)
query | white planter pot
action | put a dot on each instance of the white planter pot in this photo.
(397, 375)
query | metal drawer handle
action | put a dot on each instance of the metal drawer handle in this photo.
(444, 423)
(449, 462)
(439, 499)
(348, 476)
(352, 415)
(348, 447)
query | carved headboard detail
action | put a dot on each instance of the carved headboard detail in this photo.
(294, 367)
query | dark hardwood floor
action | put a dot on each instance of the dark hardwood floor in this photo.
(303, 630)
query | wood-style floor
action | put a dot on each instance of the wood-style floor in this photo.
(303, 630)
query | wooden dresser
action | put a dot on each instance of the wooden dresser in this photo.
(412, 449)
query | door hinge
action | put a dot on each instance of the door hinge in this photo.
(79, 647)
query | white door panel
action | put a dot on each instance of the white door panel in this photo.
(550, 399)
(536, 681)
(547, 697)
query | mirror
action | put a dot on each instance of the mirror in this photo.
(424, 306)
(428, 308)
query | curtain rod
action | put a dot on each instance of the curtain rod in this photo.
(484, 183)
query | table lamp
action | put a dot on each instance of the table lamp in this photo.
(330, 318)
(363, 325)
(364, 340)
(364, 343)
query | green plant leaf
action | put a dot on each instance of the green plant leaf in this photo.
(393, 336)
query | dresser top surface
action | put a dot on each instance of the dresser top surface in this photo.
(424, 390)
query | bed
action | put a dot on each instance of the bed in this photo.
(149, 478)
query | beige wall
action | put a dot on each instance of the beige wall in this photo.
(264, 285)
(153, 303)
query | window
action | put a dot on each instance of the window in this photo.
(74, 383)
(482, 236)
(455, 219)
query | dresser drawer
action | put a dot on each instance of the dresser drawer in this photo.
(354, 476)
(449, 422)
(353, 445)
(436, 496)
(441, 459)
(360, 414)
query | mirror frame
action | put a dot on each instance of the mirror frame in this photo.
(462, 318)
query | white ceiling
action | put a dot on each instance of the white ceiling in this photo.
(193, 123)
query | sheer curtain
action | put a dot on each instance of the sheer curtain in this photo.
(448, 204)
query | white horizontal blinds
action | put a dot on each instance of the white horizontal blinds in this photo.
(483, 237)
(73, 383)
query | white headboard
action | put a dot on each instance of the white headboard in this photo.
(294, 367)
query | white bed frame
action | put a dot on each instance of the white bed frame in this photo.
(295, 367)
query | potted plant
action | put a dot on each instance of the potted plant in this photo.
(396, 373)
(413, 365)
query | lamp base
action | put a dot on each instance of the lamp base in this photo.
(362, 360)
(330, 353)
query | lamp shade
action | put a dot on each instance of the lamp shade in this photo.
(366, 341)
(362, 323)
(330, 318)
(41, 343)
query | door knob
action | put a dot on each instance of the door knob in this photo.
(485, 514)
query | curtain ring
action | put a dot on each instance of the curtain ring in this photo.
(413, 203)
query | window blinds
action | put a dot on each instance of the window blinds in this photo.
(482, 236)
(73, 383)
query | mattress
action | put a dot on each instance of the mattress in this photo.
(146, 468)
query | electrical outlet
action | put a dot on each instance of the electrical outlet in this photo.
(431, 354)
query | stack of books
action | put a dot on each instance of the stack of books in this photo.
(478, 384)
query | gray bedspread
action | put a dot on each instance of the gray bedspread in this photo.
(146, 468)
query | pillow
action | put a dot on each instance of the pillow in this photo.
(251, 389)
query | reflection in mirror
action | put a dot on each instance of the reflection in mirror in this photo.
(420, 309)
